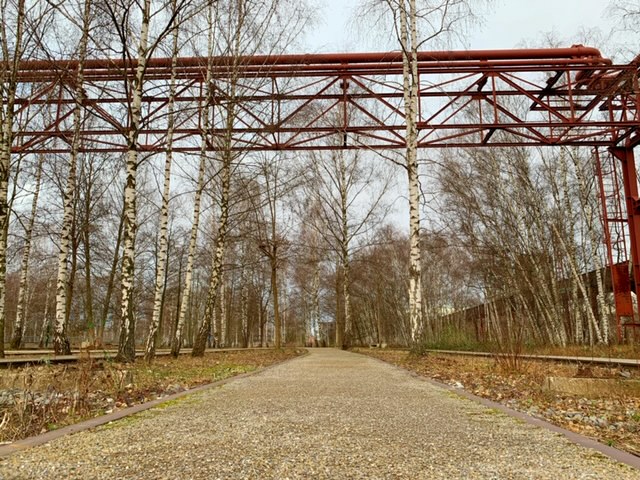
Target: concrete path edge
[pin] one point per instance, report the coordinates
(614, 453)
(25, 443)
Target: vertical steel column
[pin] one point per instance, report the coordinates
(632, 198)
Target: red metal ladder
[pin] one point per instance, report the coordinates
(616, 238)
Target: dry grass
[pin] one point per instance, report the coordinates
(40, 398)
(612, 419)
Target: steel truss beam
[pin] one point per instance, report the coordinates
(539, 97)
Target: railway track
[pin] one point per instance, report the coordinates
(21, 358)
(606, 361)
(18, 358)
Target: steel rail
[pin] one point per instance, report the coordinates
(18, 360)
(607, 361)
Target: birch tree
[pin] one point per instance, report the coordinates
(60, 341)
(18, 328)
(220, 242)
(246, 28)
(205, 114)
(279, 179)
(161, 260)
(12, 31)
(271, 245)
(351, 198)
(417, 24)
(22, 27)
(127, 17)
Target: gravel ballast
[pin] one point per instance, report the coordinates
(330, 414)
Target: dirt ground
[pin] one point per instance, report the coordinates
(36, 399)
(611, 419)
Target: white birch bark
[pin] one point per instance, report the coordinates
(224, 340)
(594, 242)
(9, 85)
(60, 341)
(18, 328)
(193, 239)
(200, 343)
(409, 42)
(315, 297)
(126, 345)
(164, 211)
(176, 344)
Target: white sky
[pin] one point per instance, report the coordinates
(507, 24)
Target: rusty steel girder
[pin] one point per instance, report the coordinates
(567, 96)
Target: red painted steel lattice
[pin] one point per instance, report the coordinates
(570, 96)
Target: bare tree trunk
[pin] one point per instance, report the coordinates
(150, 349)
(276, 303)
(60, 341)
(86, 240)
(344, 253)
(126, 345)
(176, 344)
(216, 265)
(218, 318)
(339, 311)
(46, 321)
(9, 79)
(409, 44)
(111, 282)
(315, 300)
(18, 329)
(585, 201)
(224, 337)
(244, 308)
(188, 278)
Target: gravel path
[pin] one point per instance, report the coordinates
(330, 414)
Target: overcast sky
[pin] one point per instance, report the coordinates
(507, 24)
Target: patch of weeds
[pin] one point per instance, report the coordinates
(419, 350)
(488, 412)
(455, 395)
(186, 400)
(122, 422)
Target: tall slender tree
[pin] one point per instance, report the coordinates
(161, 260)
(438, 18)
(142, 23)
(19, 325)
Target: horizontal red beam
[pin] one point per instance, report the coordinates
(575, 52)
(310, 64)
